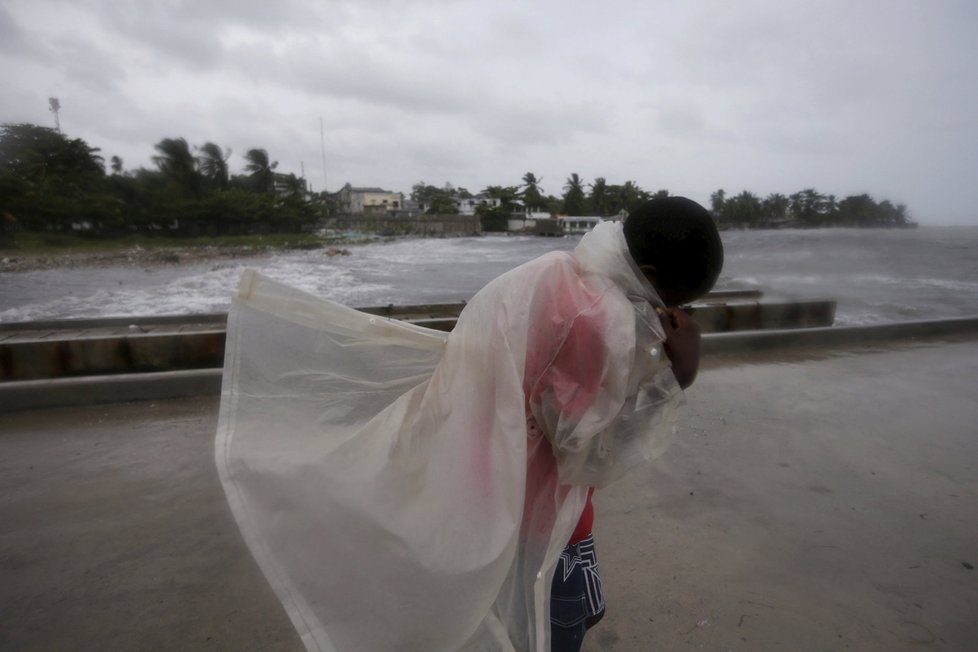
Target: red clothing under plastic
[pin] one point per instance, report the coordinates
(584, 525)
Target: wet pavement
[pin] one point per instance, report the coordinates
(116, 536)
(811, 502)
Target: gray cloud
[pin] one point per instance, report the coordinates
(16, 44)
(773, 96)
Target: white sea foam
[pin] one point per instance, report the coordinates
(875, 277)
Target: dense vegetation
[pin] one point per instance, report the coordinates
(803, 209)
(49, 182)
(806, 208)
(52, 183)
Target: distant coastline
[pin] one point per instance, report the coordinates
(27, 252)
(59, 251)
(799, 226)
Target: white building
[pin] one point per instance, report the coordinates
(468, 206)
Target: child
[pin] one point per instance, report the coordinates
(406, 491)
(676, 248)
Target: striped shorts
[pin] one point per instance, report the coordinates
(575, 594)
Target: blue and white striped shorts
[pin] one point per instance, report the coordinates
(576, 593)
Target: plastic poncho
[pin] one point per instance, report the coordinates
(384, 475)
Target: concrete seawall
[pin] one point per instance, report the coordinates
(118, 387)
(41, 350)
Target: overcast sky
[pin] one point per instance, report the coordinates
(877, 96)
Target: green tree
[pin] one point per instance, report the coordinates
(716, 202)
(864, 211)
(809, 206)
(34, 152)
(660, 194)
(600, 197)
(116, 165)
(495, 216)
(177, 164)
(213, 165)
(48, 180)
(261, 170)
(508, 196)
(531, 194)
(439, 201)
(775, 207)
(744, 209)
(629, 196)
(575, 203)
(293, 187)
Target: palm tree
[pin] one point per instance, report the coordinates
(716, 202)
(745, 208)
(599, 196)
(293, 187)
(631, 196)
(532, 197)
(260, 168)
(177, 163)
(213, 164)
(807, 205)
(574, 200)
(776, 206)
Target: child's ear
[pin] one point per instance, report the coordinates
(650, 274)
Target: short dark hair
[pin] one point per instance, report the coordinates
(678, 237)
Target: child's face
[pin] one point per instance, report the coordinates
(669, 296)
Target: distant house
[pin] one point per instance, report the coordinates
(469, 205)
(369, 201)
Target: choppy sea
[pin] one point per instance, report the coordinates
(877, 276)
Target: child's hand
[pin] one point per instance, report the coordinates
(682, 344)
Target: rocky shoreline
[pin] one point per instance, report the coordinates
(141, 257)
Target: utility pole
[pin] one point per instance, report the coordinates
(55, 107)
(322, 142)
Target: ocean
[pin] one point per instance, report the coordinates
(876, 276)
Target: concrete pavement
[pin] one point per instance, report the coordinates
(811, 501)
(116, 536)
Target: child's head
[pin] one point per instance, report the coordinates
(676, 244)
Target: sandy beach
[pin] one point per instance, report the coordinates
(806, 504)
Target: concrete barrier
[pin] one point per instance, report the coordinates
(36, 358)
(837, 336)
(116, 388)
(58, 392)
(150, 344)
(207, 319)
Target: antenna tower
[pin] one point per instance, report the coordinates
(322, 143)
(55, 107)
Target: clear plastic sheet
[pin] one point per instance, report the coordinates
(382, 474)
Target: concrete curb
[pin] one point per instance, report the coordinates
(836, 336)
(88, 390)
(118, 388)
